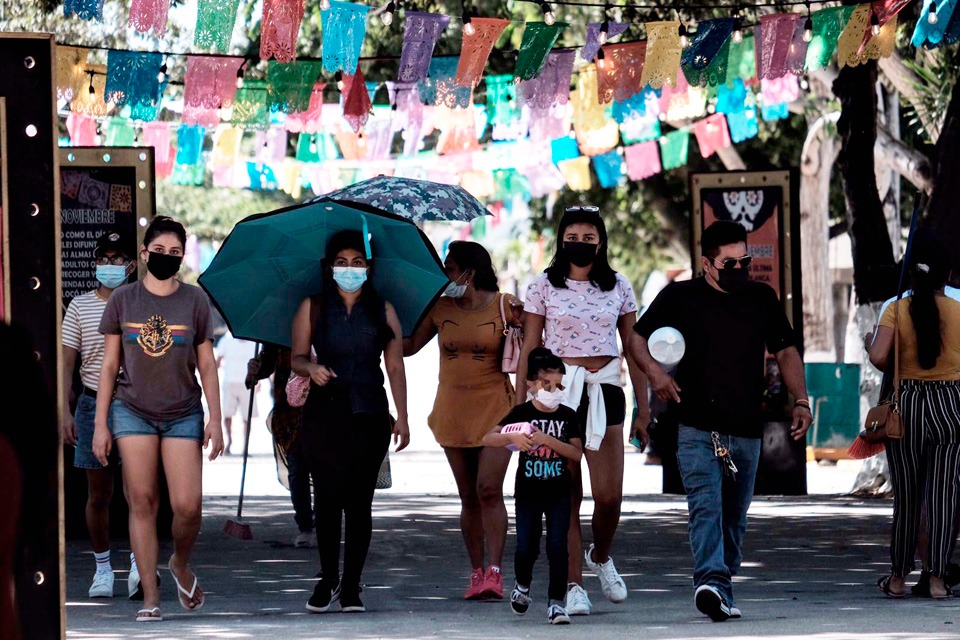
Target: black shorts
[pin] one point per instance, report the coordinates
(614, 401)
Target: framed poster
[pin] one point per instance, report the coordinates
(102, 190)
(767, 205)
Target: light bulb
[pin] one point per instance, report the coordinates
(737, 29)
(548, 16)
(604, 32)
(91, 89)
(874, 23)
(325, 5)
(468, 28)
(601, 59)
(338, 76)
(875, 29)
(387, 17)
(240, 77)
(162, 74)
(684, 39)
(808, 29)
(932, 17)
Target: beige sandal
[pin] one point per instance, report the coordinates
(149, 615)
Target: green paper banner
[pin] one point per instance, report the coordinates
(674, 148)
(538, 39)
(290, 84)
(250, 106)
(828, 24)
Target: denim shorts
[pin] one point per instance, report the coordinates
(84, 417)
(125, 422)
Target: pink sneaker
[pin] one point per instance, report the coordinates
(493, 584)
(475, 590)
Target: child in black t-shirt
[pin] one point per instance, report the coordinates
(550, 437)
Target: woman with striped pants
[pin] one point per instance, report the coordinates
(925, 464)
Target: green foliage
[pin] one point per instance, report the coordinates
(211, 213)
(937, 71)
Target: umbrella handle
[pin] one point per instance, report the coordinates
(366, 236)
(246, 440)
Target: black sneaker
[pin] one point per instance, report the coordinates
(350, 601)
(520, 600)
(323, 598)
(710, 602)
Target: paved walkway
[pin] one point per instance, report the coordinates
(810, 572)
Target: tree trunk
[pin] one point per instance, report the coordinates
(942, 213)
(874, 271)
(816, 167)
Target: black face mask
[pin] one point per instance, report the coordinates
(163, 266)
(580, 254)
(733, 280)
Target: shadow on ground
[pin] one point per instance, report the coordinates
(810, 571)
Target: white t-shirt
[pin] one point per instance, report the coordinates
(236, 354)
(80, 332)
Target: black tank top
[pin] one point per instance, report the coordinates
(351, 346)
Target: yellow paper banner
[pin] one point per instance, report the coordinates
(577, 173)
(226, 145)
(857, 44)
(663, 55)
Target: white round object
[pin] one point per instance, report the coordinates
(667, 346)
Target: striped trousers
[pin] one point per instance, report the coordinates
(925, 468)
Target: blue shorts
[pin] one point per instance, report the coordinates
(84, 417)
(125, 422)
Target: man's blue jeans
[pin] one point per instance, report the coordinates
(717, 503)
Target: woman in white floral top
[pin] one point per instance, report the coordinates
(576, 309)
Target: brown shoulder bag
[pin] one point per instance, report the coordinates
(883, 422)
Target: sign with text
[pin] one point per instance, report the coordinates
(102, 190)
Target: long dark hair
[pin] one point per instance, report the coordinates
(601, 273)
(929, 270)
(470, 255)
(370, 300)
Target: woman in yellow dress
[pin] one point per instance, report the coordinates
(473, 395)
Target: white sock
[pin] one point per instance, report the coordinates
(103, 562)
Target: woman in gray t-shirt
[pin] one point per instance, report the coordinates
(158, 334)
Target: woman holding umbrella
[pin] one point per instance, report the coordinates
(346, 422)
(469, 321)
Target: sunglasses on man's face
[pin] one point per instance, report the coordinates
(589, 208)
(731, 263)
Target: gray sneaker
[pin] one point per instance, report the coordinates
(305, 540)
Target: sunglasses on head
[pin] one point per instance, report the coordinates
(588, 208)
(731, 263)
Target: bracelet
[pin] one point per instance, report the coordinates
(802, 402)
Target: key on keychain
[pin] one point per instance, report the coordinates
(724, 454)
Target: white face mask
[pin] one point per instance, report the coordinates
(550, 399)
(455, 290)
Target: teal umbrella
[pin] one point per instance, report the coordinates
(270, 262)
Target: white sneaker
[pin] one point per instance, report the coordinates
(578, 603)
(305, 540)
(133, 584)
(610, 581)
(735, 613)
(102, 586)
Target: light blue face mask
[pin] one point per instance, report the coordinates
(350, 279)
(111, 275)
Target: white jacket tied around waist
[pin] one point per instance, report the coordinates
(574, 380)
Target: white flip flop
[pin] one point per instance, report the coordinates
(188, 594)
(149, 615)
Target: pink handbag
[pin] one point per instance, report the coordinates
(299, 386)
(512, 342)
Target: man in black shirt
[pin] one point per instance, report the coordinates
(728, 323)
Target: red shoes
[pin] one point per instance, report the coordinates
(493, 584)
(475, 590)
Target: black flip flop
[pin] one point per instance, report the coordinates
(884, 585)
